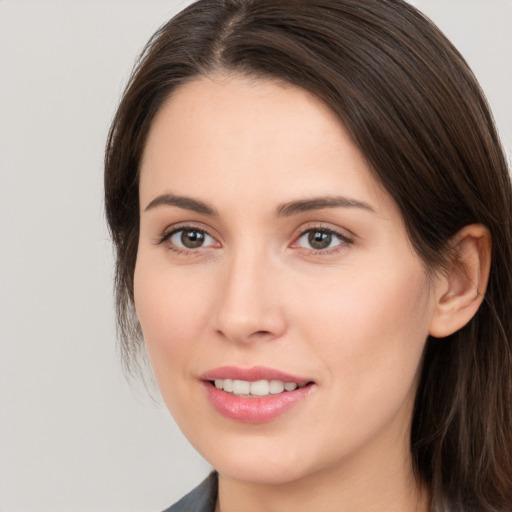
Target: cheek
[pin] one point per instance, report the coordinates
(172, 308)
(364, 306)
(370, 331)
(172, 311)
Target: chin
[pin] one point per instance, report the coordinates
(260, 472)
(261, 463)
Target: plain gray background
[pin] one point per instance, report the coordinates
(74, 437)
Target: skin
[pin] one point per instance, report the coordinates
(353, 318)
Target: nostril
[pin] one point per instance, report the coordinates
(250, 323)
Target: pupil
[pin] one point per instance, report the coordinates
(192, 239)
(319, 240)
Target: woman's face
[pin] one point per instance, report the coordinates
(268, 254)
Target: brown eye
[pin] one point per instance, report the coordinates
(319, 239)
(322, 240)
(190, 238)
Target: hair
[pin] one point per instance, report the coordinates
(416, 112)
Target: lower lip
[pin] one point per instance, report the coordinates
(254, 410)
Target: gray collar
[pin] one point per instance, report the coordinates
(202, 499)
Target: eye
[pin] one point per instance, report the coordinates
(189, 238)
(321, 239)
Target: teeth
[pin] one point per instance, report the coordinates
(260, 388)
(257, 388)
(276, 386)
(241, 387)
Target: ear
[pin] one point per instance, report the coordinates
(461, 287)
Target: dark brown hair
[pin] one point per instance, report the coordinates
(416, 112)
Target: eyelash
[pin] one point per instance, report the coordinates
(181, 250)
(343, 239)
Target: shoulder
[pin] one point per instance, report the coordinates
(202, 499)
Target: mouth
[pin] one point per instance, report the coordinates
(255, 395)
(256, 389)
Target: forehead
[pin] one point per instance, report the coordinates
(253, 137)
(232, 110)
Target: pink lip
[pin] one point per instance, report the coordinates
(252, 374)
(253, 410)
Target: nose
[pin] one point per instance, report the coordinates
(249, 306)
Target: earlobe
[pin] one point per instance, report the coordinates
(460, 289)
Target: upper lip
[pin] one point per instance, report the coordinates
(252, 374)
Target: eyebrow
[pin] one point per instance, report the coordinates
(186, 203)
(284, 210)
(318, 203)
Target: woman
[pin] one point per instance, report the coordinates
(313, 223)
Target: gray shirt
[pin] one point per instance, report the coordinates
(202, 499)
